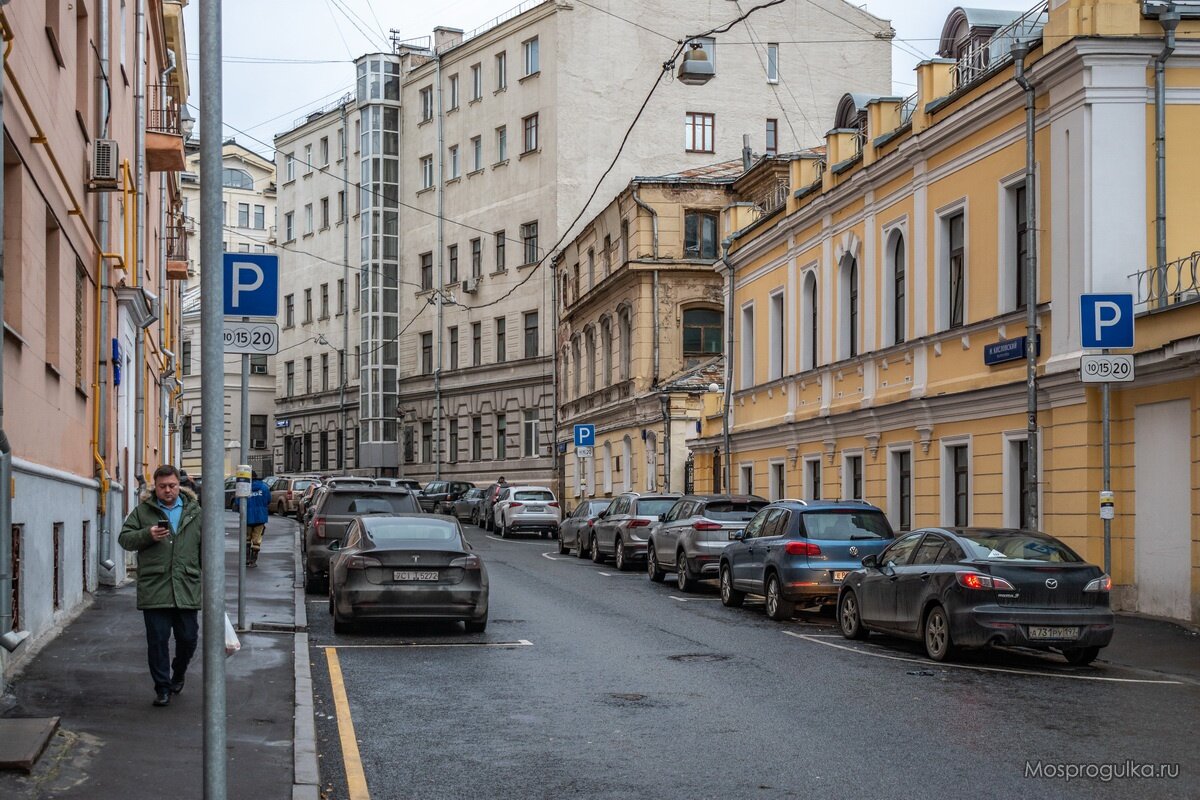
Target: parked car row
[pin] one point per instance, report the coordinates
(947, 588)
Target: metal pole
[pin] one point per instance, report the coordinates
(437, 289)
(1169, 20)
(212, 402)
(345, 212)
(1106, 444)
(1020, 49)
(243, 552)
(139, 342)
(104, 556)
(726, 465)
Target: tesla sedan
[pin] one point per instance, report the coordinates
(405, 567)
(974, 587)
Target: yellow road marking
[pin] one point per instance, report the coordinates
(356, 781)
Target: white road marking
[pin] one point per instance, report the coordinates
(928, 663)
(518, 643)
(516, 541)
(546, 555)
(680, 599)
(605, 574)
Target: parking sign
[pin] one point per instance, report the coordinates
(251, 285)
(585, 435)
(1106, 321)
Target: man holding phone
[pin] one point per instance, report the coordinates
(164, 530)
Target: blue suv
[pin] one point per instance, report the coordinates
(796, 553)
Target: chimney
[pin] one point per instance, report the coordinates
(445, 38)
(747, 153)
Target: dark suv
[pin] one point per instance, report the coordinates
(796, 553)
(439, 495)
(333, 511)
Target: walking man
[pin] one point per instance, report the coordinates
(256, 518)
(164, 530)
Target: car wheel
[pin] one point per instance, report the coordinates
(562, 547)
(683, 575)
(653, 570)
(778, 608)
(937, 634)
(340, 625)
(1081, 656)
(505, 531)
(311, 584)
(850, 618)
(620, 560)
(475, 625)
(730, 596)
(582, 552)
(594, 549)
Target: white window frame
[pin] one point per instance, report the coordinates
(811, 463)
(746, 361)
(426, 96)
(1006, 241)
(453, 92)
(846, 485)
(1013, 441)
(289, 226)
(772, 62)
(706, 140)
(476, 81)
(893, 482)
(651, 477)
(289, 167)
(946, 479)
(746, 477)
(776, 487)
(529, 443)
(501, 70)
(427, 172)
(477, 153)
(308, 219)
(777, 319)
(845, 294)
(941, 260)
(501, 144)
(899, 228)
(608, 468)
(531, 51)
(455, 167)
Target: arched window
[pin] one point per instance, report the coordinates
(606, 344)
(849, 321)
(626, 334)
(651, 461)
(702, 329)
(808, 318)
(590, 358)
(898, 320)
(626, 464)
(577, 374)
(234, 178)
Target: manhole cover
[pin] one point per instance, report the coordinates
(628, 697)
(699, 657)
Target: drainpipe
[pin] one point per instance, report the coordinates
(726, 465)
(345, 359)
(560, 464)
(1169, 20)
(441, 246)
(139, 349)
(657, 338)
(1020, 51)
(168, 357)
(9, 638)
(104, 557)
(653, 218)
(666, 407)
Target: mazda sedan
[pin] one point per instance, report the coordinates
(975, 587)
(406, 567)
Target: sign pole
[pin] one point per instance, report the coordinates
(1107, 493)
(243, 553)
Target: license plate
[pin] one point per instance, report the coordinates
(1043, 632)
(411, 575)
(840, 575)
(537, 508)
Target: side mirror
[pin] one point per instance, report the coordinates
(662, 517)
(335, 545)
(871, 561)
(737, 536)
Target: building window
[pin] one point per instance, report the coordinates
(454, 347)
(625, 324)
(852, 479)
(747, 346)
(499, 239)
(476, 153)
(577, 373)
(531, 334)
(702, 333)
(308, 159)
(898, 291)
(453, 93)
(776, 344)
(323, 150)
(501, 144)
(1022, 248)
(234, 178)
(308, 219)
(341, 143)
(426, 172)
(324, 372)
(289, 227)
(427, 104)
(185, 431)
(778, 487)
(476, 438)
(426, 353)
(289, 382)
(324, 301)
(957, 270)
(427, 442)
(772, 63)
(476, 257)
(308, 308)
(699, 132)
(454, 167)
(700, 234)
(589, 360)
(476, 343)
(529, 241)
(426, 271)
(531, 56)
(747, 479)
(341, 206)
(452, 258)
(501, 340)
(501, 71)
(260, 217)
(591, 268)
(289, 167)
(606, 347)
(341, 299)
(772, 137)
(324, 213)
(501, 437)
(901, 501)
(308, 375)
(850, 306)
(812, 478)
(186, 357)
(529, 125)
(243, 212)
(476, 81)
(452, 456)
(530, 433)
(808, 316)
(956, 485)
(258, 364)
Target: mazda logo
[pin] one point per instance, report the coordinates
(853, 550)
(1051, 583)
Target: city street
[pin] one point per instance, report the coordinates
(590, 682)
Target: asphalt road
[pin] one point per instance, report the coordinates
(595, 683)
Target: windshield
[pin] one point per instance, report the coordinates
(841, 526)
(412, 530)
(352, 503)
(734, 512)
(474, 493)
(1023, 546)
(655, 507)
(542, 496)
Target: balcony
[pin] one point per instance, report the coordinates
(164, 130)
(1175, 283)
(176, 240)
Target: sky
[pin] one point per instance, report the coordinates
(283, 58)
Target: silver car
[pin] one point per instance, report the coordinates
(527, 508)
(467, 506)
(576, 529)
(689, 538)
(622, 530)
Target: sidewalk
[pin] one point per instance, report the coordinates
(1154, 645)
(112, 743)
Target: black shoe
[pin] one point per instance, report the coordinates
(177, 686)
(162, 698)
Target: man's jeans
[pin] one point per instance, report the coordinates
(160, 622)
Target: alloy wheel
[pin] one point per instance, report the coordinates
(619, 556)
(730, 596)
(937, 634)
(851, 621)
(682, 577)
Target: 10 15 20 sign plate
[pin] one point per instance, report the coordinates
(1106, 368)
(255, 338)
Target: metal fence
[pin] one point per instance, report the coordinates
(982, 57)
(1174, 283)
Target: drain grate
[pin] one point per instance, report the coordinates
(701, 657)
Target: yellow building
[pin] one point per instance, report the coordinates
(869, 312)
(640, 330)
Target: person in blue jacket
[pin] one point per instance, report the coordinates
(256, 518)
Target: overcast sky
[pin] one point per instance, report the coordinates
(286, 57)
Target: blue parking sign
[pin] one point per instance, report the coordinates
(585, 435)
(1106, 321)
(251, 285)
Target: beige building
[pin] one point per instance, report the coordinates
(505, 132)
(248, 200)
(641, 330)
(316, 388)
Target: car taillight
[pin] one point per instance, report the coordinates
(1101, 584)
(801, 549)
(362, 562)
(319, 527)
(516, 505)
(466, 562)
(639, 523)
(977, 580)
(705, 525)
(289, 494)
(553, 504)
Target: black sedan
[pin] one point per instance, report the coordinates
(404, 567)
(976, 587)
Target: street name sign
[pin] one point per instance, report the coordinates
(1106, 368)
(251, 285)
(1106, 321)
(585, 435)
(253, 338)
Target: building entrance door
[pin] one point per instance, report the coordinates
(1162, 528)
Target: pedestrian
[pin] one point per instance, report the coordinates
(164, 530)
(186, 482)
(256, 518)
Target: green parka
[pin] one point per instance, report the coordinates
(168, 574)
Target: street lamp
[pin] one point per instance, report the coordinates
(187, 123)
(696, 69)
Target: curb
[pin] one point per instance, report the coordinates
(306, 774)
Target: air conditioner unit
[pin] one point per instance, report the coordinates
(470, 285)
(258, 369)
(106, 165)
(258, 444)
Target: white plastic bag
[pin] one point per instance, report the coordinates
(232, 645)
